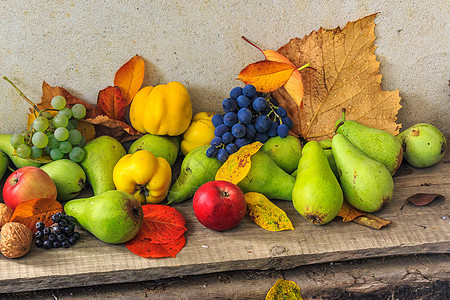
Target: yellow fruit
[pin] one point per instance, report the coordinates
(199, 133)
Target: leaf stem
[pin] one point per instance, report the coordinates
(245, 39)
(22, 94)
(308, 65)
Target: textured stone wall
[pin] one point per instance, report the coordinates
(80, 44)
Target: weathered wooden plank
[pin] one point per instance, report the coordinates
(414, 230)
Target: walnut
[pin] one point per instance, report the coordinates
(5, 214)
(16, 240)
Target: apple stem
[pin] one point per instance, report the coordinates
(22, 94)
(245, 39)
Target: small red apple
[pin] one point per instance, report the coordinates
(219, 205)
(28, 183)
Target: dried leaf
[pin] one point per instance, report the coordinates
(86, 129)
(162, 233)
(371, 221)
(266, 214)
(162, 224)
(346, 76)
(238, 164)
(284, 289)
(146, 249)
(421, 199)
(129, 78)
(348, 212)
(114, 128)
(37, 210)
(266, 75)
(111, 103)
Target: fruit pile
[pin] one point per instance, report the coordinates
(61, 234)
(56, 135)
(249, 116)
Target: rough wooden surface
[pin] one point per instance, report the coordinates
(415, 230)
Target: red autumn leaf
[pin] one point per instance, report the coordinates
(37, 210)
(421, 199)
(129, 77)
(162, 224)
(111, 103)
(148, 249)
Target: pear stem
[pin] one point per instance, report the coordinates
(22, 94)
(343, 113)
(11, 169)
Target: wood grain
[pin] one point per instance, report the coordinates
(415, 230)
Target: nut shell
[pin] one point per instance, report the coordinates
(16, 240)
(5, 214)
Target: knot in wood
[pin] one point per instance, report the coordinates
(277, 250)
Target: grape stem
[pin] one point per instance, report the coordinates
(22, 94)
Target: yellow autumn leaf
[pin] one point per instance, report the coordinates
(266, 75)
(238, 164)
(348, 212)
(345, 75)
(284, 289)
(129, 77)
(266, 214)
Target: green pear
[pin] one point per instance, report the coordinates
(375, 143)
(68, 177)
(102, 154)
(326, 143)
(159, 146)
(196, 170)
(423, 145)
(366, 183)
(331, 162)
(8, 149)
(317, 195)
(267, 178)
(4, 162)
(285, 152)
(114, 217)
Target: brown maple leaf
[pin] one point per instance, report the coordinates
(346, 76)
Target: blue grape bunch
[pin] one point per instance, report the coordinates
(248, 116)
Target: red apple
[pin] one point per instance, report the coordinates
(28, 183)
(219, 205)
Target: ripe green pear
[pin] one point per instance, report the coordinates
(68, 177)
(196, 170)
(375, 143)
(102, 154)
(423, 145)
(4, 162)
(285, 152)
(267, 178)
(366, 183)
(159, 146)
(8, 149)
(114, 217)
(317, 195)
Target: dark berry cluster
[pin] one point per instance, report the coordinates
(249, 116)
(61, 234)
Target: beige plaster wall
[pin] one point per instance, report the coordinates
(79, 45)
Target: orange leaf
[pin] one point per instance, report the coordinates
(371, 221)
(129, 77)
(348, 212)
(146, 249)
(238, 164)
(114, 128)
(37, 210)
(111, 103)
(266, 75)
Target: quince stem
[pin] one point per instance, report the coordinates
(22, 94)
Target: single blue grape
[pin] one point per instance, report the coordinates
(260, 104)
(227, 137)
(288, 122)
(216, 141)
(281, 111)
(244, 115)
(222, 155)
(231, 148)
(262, 123)
(261, 137)
(238, 130)
(243, 101)
(230, 118)
(236, 92)
(211, 152)
(229, 105)
(217, 120)
(240, 143)
(273, 129)
(221, 129)
(249, 90)
(250, 131)
(283, 130)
